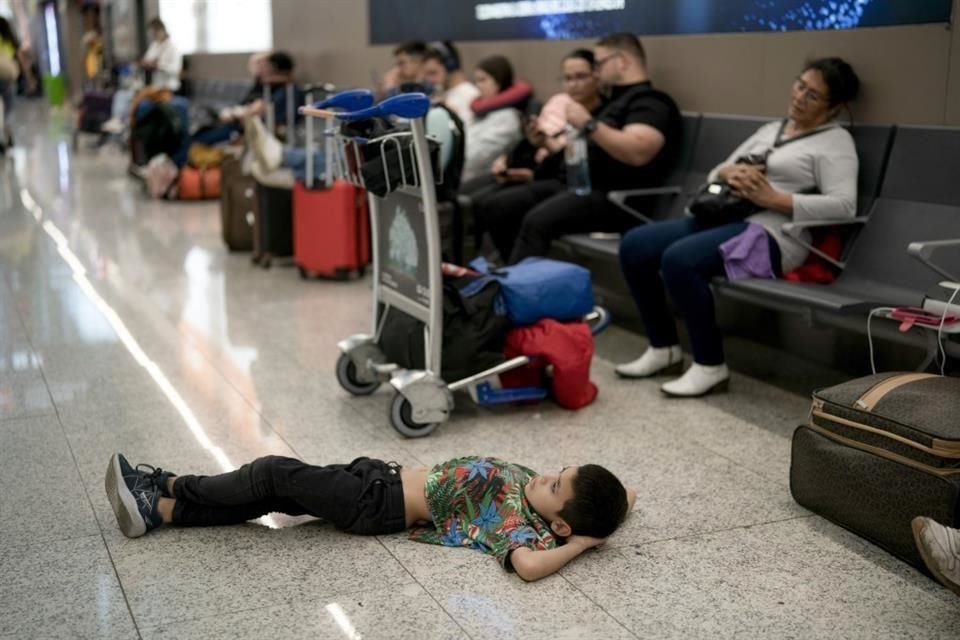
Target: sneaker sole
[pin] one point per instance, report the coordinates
(123, 503)
(672, 369)
(917, 526)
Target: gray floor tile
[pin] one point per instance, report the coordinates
(489, 603)
(41, 496)
(393, 613)
(181, 574)
(61, 589)
(24, 393)
(799, 579)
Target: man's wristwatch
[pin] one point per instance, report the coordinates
(590, 126)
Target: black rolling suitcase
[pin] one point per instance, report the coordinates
(273, 227)
(879, 451)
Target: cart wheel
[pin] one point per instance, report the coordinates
(347, 377)
(303, 273)
(401, 418)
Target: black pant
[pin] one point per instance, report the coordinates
(364, 497)
(501, 212)
(566, 213)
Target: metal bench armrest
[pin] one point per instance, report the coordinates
(923, 252)
(795, 231)
(619, 198)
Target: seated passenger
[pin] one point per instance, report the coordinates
(441, 69)
(809, 174)
(494, 132)
(274, 70)
(164, 63)
(633, 142)
(535, 170)
(532, 524)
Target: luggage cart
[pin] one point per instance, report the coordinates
(406, 269)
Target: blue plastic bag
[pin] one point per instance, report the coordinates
(537, 288)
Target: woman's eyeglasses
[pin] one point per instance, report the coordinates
(808, 94)
(577, 78)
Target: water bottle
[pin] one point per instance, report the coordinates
(578, 163)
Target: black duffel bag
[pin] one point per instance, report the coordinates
(880, 451)
(474, 329)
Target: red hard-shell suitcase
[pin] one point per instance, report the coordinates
(331, 230)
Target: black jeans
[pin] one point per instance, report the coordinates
(684, 255)
(501, 213)
(566, 213)
(364, 497)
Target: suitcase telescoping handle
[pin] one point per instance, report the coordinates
(271, 117)
(355, 97)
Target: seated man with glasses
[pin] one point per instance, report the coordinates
(633, 142)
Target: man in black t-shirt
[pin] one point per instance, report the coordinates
(634, 141)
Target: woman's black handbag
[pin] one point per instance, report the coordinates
(716, 204)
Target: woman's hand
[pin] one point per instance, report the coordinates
(519, 175)
(750, 182)
(577, 115)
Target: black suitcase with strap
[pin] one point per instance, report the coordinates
(879, 451)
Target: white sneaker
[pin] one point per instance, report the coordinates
(940, 548)
(699, 380)
(655, 360)
(266, 148)
(113, 126)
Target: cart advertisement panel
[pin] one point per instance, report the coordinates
(402, 241)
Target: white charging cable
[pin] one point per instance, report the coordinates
(873, 364)
(943, 319)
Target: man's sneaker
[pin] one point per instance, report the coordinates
(134, 496)
(940, 548)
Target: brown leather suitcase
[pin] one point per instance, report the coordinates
(238, 204)
(879, 451)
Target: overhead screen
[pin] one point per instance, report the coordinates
(398, 20)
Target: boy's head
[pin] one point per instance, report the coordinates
(280, 64)
(586, 501)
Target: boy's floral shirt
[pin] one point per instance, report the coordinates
(480, 503)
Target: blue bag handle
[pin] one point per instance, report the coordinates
(404, 105)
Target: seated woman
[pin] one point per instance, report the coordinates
(535, 170)
(810, 174)
(494, 132)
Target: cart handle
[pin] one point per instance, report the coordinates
(404, 105)
(351, 100)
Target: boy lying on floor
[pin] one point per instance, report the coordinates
(532, 524)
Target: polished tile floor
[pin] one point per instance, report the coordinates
(125, 325)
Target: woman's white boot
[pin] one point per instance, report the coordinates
(653, 361)
(699, 380)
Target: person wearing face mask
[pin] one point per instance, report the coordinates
(442, 71)
(810, 173)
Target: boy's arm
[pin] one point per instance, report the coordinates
(532, 565)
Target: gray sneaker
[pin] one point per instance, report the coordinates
(940, 548)
(134, 496)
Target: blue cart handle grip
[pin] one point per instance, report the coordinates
(404, 105)
(352, 100)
